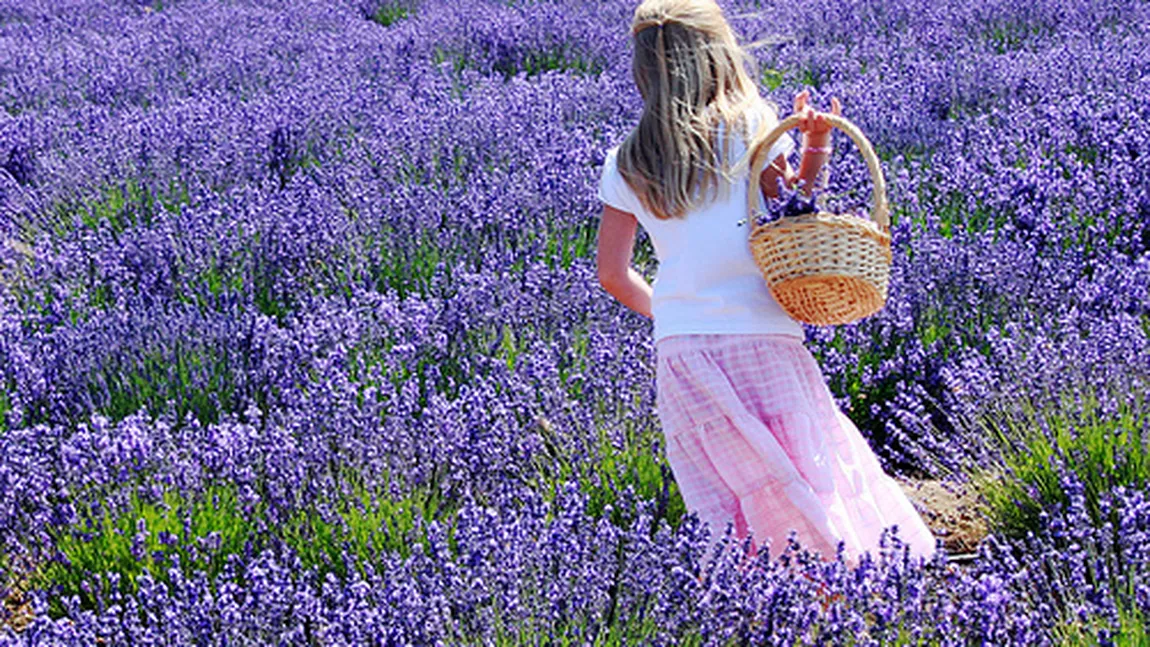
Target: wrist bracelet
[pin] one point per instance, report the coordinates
(818, 149)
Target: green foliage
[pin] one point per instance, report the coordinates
(389, 13)
(813, 77)
(772, 79)
(196, 378)
(955, 212)
(364, 520)
(560, 57)
(1132, 630)
(1104, 450)
(634, 630)
(5, 407)
(114, 208)
(246, 271)
(132, 203)
(565, 244)
(408, 262)
(217, 279)
(512, 347)
(144, 538)
(202, 530)
(267, 293)
(1039, 440)
(635, 464)
(1006, 36)
(421, 261)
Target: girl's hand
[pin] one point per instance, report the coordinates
(814, 124)
(816, 131)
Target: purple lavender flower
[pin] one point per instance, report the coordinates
(304, 250)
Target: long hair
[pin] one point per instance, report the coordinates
(692, 75)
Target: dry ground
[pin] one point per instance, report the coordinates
(950, 509)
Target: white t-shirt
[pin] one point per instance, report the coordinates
(707, 282)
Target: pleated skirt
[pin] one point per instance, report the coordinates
(754, 438)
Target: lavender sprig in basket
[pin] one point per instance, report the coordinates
(794, 202)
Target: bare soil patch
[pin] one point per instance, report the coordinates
(950, 510)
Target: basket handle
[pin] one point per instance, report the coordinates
(880, 213)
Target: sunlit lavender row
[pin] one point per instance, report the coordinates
(302, 342)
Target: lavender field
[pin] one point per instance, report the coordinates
(301, 339)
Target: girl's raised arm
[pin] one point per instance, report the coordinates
(815, 149)
(616, 240)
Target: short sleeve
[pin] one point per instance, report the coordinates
(784, 145)
(613, 189)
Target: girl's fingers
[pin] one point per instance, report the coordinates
(811, 118)
(801, 100)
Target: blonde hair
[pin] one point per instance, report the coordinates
(692, 74)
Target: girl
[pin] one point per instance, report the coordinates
(751, 431)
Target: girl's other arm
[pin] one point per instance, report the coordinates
(618, 278)
(781, 169)
(770, 175)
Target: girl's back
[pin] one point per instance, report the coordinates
(708, 282)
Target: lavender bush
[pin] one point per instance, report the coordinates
(301, 340)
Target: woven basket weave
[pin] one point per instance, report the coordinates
(823, 268)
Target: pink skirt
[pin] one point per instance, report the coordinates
(754, 436)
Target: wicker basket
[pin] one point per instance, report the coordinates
(823, 268)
